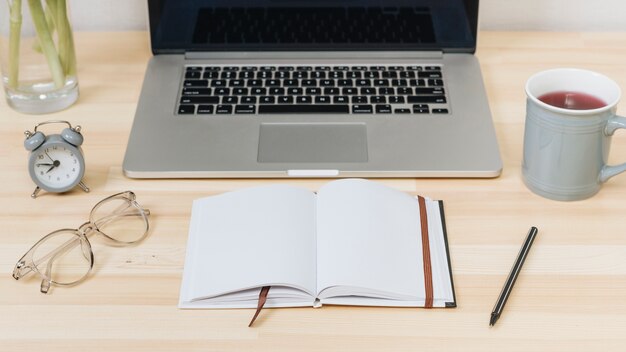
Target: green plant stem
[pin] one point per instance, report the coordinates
(14, 43)
(51, 26)
(65, 34)
(47, 44)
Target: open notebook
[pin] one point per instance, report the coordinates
(354, 242)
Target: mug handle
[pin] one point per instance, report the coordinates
(614, 123)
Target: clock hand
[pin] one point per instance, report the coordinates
(48, 155)
(44, 164)
(55, 164)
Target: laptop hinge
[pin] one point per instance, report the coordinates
(314, 55)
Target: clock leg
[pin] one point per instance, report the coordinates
(83, 186)
(34, 195)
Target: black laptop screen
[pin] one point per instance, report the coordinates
(177, 26)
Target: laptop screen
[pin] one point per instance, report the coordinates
(177, 26)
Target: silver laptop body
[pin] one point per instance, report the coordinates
(176, 134)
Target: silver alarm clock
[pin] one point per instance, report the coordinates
(56, 163)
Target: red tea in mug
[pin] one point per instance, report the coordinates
(572, 100)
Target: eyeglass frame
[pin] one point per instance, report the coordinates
(26, 263)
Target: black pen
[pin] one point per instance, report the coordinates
(510, 281)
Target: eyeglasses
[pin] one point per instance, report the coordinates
(64, 257)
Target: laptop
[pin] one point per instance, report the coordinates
(326, 88)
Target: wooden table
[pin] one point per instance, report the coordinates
(570, 295)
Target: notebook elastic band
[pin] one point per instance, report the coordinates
(428, 271)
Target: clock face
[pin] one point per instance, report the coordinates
(57, 166)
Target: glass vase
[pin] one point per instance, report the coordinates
(37, 57)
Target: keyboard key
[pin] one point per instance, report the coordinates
(327, 83)
(218, 83)
(196, 83)
(286, 68)
(304, 100)
(303, 109)
(345, 83)
(267, 75)
(383, 109)
(427, 99)
(396, 100)
(433, 68)
(350, 91)
(404, 91)
(372, 74)
(290, 83)
(249, 68)
(245, 109)
(267, 68)
(429, 91)
(390, 74)
(222, 91)
(248, 100)
(193, 74)
(362, 109)
(435, 82)
(283, 75)
(341, 100)
(186, 109)
(259, 91)
(324, 99)
(295, 91)
(402, 111)
(417, 83)
(230, 100)
(377, 99)
(284, 100)
(318, 75)
(407, 74)
(240, 91)
(331, 91)
(301, 75)
(429, 74)
(228, 75)
(363, 82)
(377, 68)
(236, 83)
(386, 91)
(309, 83)
(254, 83)
(314, 91)
(368, 91)
(212, 68)
(359, 100)
(199, 100)
(322, 68)
(395, 68)
(440, 111)
(305, 68)
(268, 100)
(420, 109)
(224, 109)
(230, 68)
(197, 91)
(205, 109)
(359, 68)
(415, 68)
(193, 68)
(211, 75)
(272, 83)
(399, 82)
(354, 74)
(277, 91)
(341, 68)
(336, 75)
(381, 82)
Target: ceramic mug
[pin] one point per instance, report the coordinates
(565, 149)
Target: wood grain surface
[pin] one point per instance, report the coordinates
(569, 296)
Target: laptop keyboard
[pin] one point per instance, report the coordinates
(258, 90)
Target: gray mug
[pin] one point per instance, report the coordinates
(566, 150)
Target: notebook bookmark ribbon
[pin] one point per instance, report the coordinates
(262, 299)
(428, 271)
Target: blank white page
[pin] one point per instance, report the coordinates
(369, 237)
(251, 238)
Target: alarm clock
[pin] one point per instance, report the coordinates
(56, 163)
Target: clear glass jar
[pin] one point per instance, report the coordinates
(37, 56)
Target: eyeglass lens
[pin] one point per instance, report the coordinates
(121, 219)
(64, 257)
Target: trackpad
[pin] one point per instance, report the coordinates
(312, 143)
